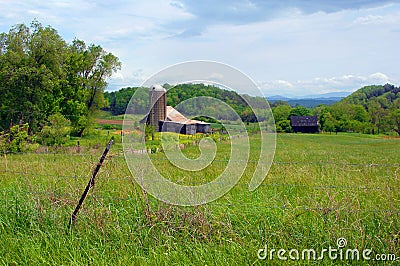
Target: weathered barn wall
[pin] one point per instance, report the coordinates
(203, 128)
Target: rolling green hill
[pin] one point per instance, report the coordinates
(385, 95)
(371, 109)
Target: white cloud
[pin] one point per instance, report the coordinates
(283, 47)
(377, 19)
(379, 78)
(118, 76)
(369, 19)
(177, 4)
(277, 83)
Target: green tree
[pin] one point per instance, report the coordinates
(394, 116)
(357, 112)
(279, 102)
(31, 61)
(56, 132)
(119, 100)
(89, 66)
(150, 132)
(395, 119)
(376, 113)
(300, 111)
(16, 140)
(283, 126)
(328, 122)
(281, 112)
(40, 75)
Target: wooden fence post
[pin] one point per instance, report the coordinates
(90, 184)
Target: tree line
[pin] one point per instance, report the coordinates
(372, 109)
(118, 100)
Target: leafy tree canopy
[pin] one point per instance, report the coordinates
(41, 75)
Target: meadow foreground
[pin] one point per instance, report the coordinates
(319, 189)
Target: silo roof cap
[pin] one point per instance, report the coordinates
(158, 87)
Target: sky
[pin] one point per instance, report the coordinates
(289, 48)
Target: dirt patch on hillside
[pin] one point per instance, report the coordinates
(113, 122)
(392, 137)
(122, 132)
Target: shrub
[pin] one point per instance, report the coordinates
(283, 126)
(56, 132)
(17, 139)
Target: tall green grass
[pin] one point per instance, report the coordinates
(320, 188)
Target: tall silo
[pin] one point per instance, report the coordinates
(158, 105)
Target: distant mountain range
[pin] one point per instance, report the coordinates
(311, 100)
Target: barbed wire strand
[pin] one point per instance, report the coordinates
(250, 206)
(120, 154)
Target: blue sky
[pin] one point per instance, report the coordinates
(289, 48)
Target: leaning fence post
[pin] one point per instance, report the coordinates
(90, 184)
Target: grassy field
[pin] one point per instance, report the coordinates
(320, 188)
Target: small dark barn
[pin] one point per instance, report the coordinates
(304, 124)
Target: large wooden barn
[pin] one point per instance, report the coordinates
(178, 123)
(167, 119)
(304, 124)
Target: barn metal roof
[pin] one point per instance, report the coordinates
(304, 121)
(175, 116)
